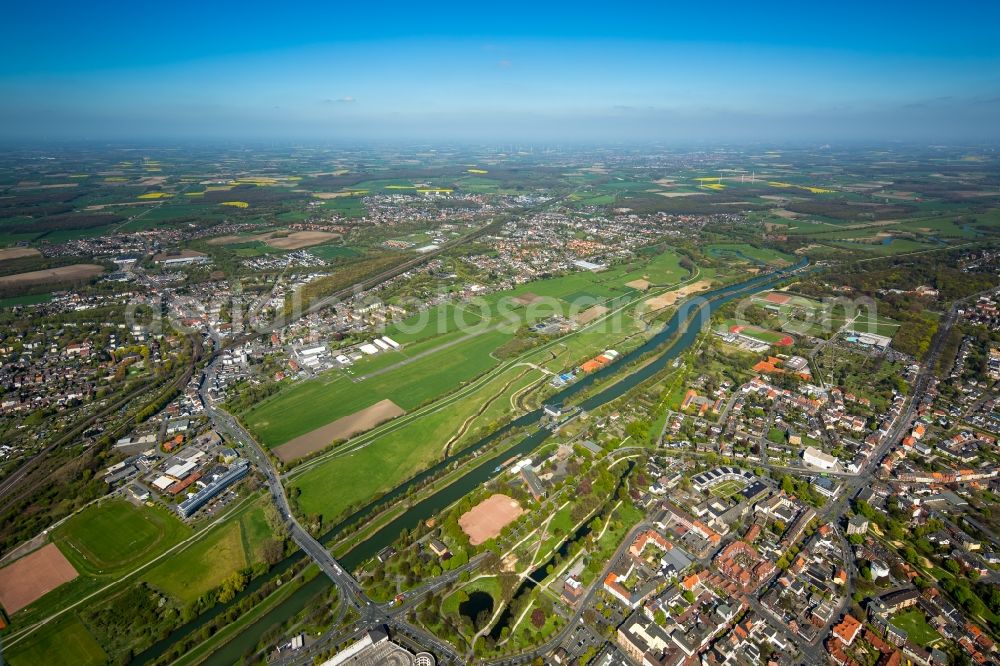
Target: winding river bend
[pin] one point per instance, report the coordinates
(680, 332)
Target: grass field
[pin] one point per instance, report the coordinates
(254, 531)
(304, 407)
(664, 269)
(331, 252)
(914, 623)
(438, 320)
(116, 536)
(488, 584)
(877, 325)
(68, 642)
(758, 333)
(898, 246)
(32, 299)
(331, 486)
(202, 566)
(750, 253)
(569, 288)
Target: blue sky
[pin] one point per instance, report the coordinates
(506, 71)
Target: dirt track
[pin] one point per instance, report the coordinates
(485, 520)
(32, 576)
(341, 429)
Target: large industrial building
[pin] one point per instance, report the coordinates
(190, 506)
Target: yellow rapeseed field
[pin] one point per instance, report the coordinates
(814, 190)
(236, 204)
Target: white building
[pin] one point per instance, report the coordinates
(816, 458)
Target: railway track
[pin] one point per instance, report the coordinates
(34, 472)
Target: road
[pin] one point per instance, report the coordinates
(832, 512)
(371, 614)
(224, 423)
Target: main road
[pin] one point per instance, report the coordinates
(225, 423)
(371, 614)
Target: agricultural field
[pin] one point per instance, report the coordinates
(340, 430)
(53, 276)
(31, 577)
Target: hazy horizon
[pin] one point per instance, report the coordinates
(709, 74)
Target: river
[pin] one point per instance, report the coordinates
(681, 331)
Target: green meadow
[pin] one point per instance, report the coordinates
(67, 641)
(304, 407)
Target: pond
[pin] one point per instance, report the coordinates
(478, 608)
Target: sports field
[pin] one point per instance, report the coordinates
(485, 520)
(309, 405)
(758, 333)
(33, 576)
(117, 535)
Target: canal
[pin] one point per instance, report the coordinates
(680, 331)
